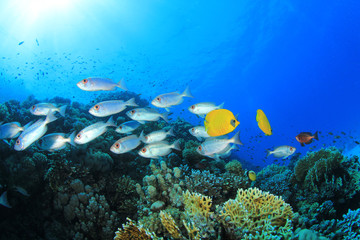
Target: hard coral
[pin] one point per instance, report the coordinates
(134, 232)
(256, 213)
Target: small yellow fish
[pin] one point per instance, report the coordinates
(220, 122)
(263, 122)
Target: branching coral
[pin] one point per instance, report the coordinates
(170, 225)
(255, 212)
(132, 231)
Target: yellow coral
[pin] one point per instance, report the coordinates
(254, 209)
(192, 230)
(196, 203)
(131, 231)
(170, 225)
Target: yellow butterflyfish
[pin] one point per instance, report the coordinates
(220, 122)
(263, 122)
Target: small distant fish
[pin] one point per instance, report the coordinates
(212, 147)
(4, 200)
(22, 191)
(93, 131)
(343, 133)
(158, 149)
(125, 144)
(42, 109)
(55, 141)
(20, 43)
(263, 122)
(128, 127)
(330, 133)
(168, 100)
(203, 108)
(337, 137)
(107, 108)
(199, 132)
(220, 122)
(146, 114)
(306, 138)
(156, 136)
(282, 151)
(33, 132)
(37, 42)
(100, 84)
(357, 142)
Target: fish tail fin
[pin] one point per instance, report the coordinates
(171, 132)
(4, 200)
(176, 145)
(236, 139)
(187, 93)
(221, 105)
(50, 117)
(131, 102)
(141, 137)
(268, 152)
(165, 116)
(72, 138)
(316, 136)
(62, 110)
(111, 122)
(122, 85)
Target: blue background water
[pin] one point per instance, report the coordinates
(298, 61)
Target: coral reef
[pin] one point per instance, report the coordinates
(256, 215)
(349, 227)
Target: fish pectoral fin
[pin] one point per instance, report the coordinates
(167, 109)
(142, 122)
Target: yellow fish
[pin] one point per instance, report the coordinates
(263, 122)
(220, 122)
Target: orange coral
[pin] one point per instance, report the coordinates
(170, 225)
(131, 231)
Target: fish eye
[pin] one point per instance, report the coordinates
(96, 107)
(78, 136)
(200, 148)
(146, 137)
(117, 145)
(17, 142)
(158, 99)
(291, 148)
(85, 80)
(33, 107)
(120, 127)
(193, 106)
(232, 122)
(132, 111)
(143, 150)
(193, 129)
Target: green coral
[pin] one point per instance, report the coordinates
(235, 167)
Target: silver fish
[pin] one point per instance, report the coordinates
(93, 131)
(158, 149)
(125, 144)
(282, 151)
(128, 127)
(4, 200)
(213, 146)
(146, 114)
(168, 100)
(226, 152)
(43, 109)
(203, 108)
(107, 108)
(100, 84)
(33, 132)
(199, 132)
(10, 130)
(156, 136)
(55, 141)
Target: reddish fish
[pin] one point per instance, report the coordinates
(306, 138)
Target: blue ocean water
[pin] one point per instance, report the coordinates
(298, 61)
